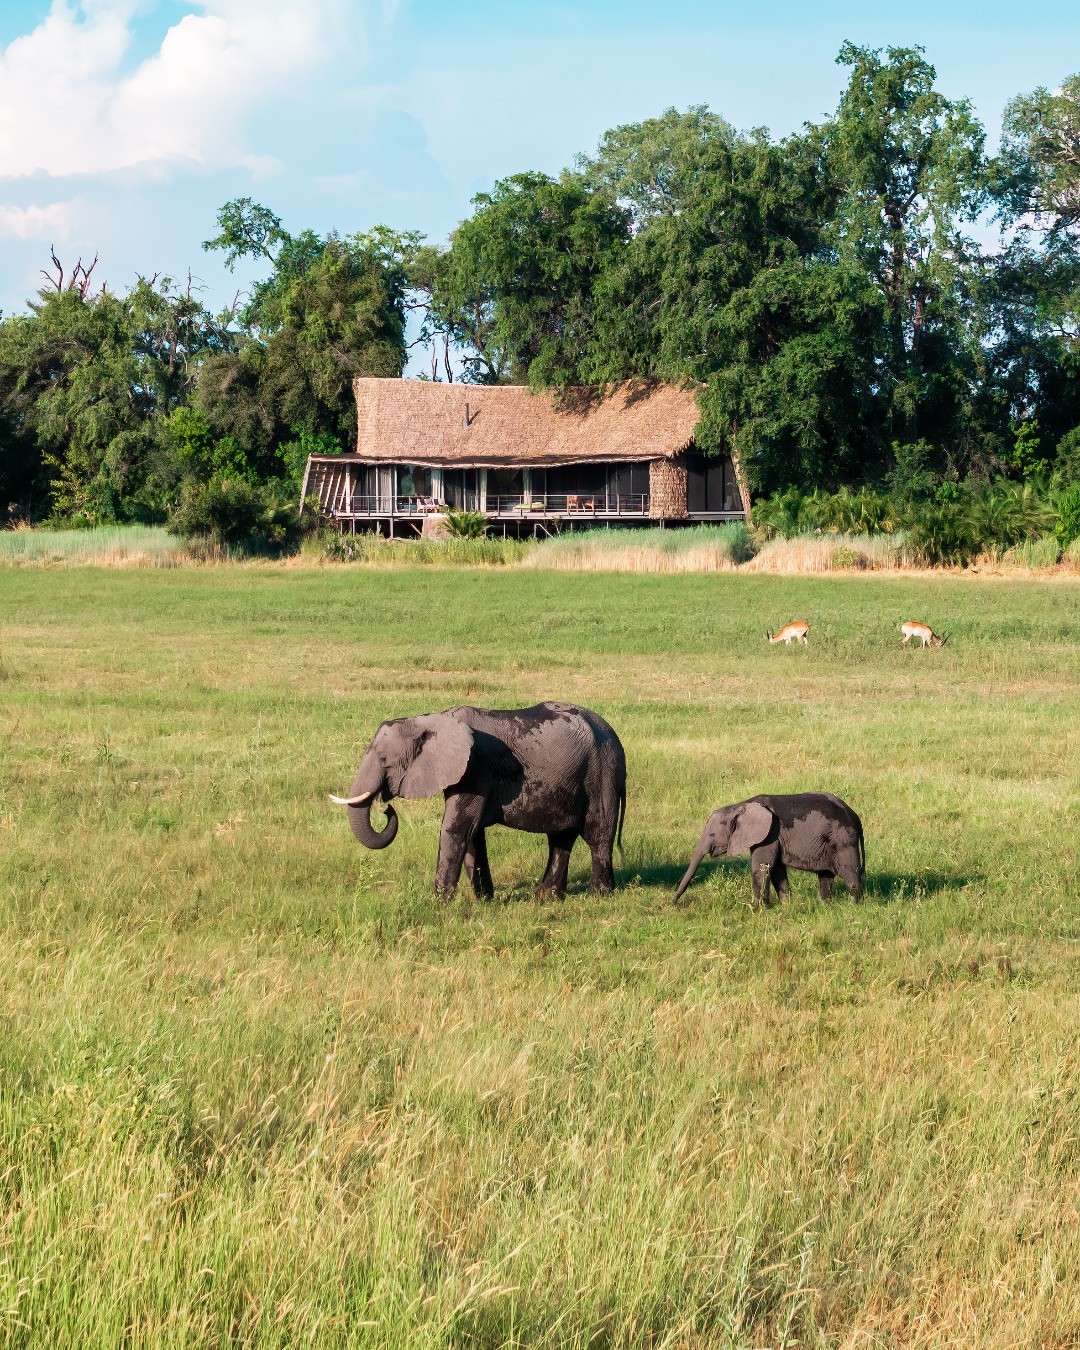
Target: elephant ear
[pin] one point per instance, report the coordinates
(752, 825)
(442, 748)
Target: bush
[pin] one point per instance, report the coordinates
(1067, 526)
(231, 513)
(847, 511)
(1003, 514)
(941, 534)
(466, 524)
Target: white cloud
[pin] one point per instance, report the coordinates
(68, 104)
(33, 222)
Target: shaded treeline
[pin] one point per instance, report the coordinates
(874, 301)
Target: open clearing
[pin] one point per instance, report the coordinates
(257, 1085)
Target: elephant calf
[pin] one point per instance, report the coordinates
(554, 769)
(810, 831)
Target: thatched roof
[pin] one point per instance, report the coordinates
(420, 422)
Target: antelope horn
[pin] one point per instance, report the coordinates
(352, 801)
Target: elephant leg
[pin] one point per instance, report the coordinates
(599, 834)
(553, 882)
(779, 878)
(825, 884)
(602, 880)
(460, 824)
(761, 865)
(476, 866)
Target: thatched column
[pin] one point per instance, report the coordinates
(667, 489)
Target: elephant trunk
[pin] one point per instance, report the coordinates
(362, 828)
(695, 862)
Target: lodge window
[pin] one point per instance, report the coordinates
(505, 483)
(461, 489)
(413, 481)
(710, 484)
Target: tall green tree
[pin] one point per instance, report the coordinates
(728, 283)
(330, 310)
(515, 288)
(84, 377)
(911, 172)
(1034, 340)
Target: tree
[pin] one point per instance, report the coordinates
(1039, 164)
(85, 376)
(331, 309)
(728, 283)
(515, 288)
(909, 168)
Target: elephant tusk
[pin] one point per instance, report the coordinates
(352, 801)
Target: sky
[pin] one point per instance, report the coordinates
(126, 124)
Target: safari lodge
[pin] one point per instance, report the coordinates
(531, 462)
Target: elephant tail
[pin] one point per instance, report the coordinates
(862, 855)
(622, 817)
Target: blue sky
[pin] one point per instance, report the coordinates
(124, 124)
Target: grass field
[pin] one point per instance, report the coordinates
(258, 1087)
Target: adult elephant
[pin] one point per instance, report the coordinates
(555, 769)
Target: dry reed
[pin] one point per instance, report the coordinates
(702, 548)
(813, 554)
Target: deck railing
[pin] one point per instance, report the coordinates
(570, 504)
(506, 507)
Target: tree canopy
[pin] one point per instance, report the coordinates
(837, 299)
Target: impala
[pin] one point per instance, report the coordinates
(796, 631)
(911, 629)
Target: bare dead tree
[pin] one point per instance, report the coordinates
(79, 281)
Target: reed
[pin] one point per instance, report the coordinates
(809, 554)
(102, 546)
(698, 548)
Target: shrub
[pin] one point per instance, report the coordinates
(1067, 526)
(941, 533)
(466, 524)
(847, 511)
(231, 513)
(1002, 514)
(847, 557)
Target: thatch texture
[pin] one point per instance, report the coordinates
(419, 422)
(667, 489)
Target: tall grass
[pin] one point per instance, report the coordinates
(1037, 553)
(832, 553)
(102, 546)
(697, 548)
(257, 1087)
(373, 549)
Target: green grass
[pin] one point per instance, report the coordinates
(256, 1085)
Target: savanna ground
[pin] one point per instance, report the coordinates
(257, 1086)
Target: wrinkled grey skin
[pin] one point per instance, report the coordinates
(554, 769)
(810, 831)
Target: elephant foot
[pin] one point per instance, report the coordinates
(550, 892)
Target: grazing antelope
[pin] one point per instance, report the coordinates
(911, 629)
(796, 631)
